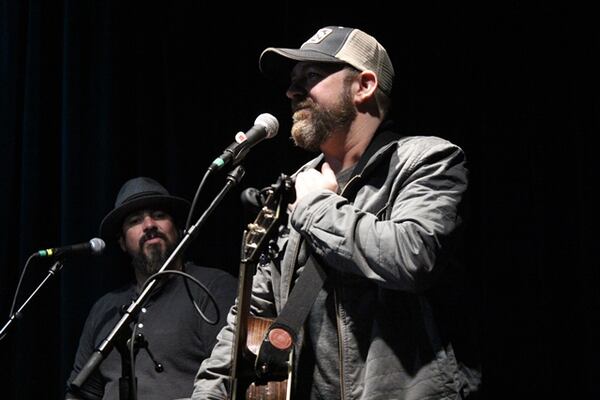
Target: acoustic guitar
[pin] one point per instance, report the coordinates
(246, 382)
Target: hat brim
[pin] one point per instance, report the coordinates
(278, 62)
(177, 207)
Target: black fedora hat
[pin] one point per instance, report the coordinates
(139, 193)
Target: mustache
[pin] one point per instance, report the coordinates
(151, 235)
(305, 103)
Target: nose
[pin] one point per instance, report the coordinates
(148, 223)
(295, 90)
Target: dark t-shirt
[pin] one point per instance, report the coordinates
(176, 334)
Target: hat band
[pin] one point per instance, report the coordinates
(141, 194)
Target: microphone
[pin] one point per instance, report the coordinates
(265, 127)
(95, 246)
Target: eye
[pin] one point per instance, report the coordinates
(133, 220)
(314, 76)
(159, 214)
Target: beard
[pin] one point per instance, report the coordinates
(314, 123)
(150, 261)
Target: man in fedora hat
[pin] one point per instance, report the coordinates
(173, 336)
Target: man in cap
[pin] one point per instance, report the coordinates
(378, 213)
(173, 337)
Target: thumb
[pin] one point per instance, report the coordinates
(330, 180)
(327, 171)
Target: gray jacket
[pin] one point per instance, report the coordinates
(387, 253)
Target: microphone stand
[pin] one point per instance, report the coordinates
(128, 346)
(57, 266)
(127, 349)
(131, 312)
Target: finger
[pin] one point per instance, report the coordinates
(329, 176)
(327, 171)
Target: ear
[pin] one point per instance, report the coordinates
(367, 84)
(122, 243)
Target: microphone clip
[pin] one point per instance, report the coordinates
(140, 342)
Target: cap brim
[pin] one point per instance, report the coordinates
(177, 207)
(278, 62)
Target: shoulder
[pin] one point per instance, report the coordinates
(221, 284)
(411, 149)
(208, 275)
(419, 149)
(108, 307)
(114, 298)
(424, 143)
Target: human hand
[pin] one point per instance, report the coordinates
(311, 179)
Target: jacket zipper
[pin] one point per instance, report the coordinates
(340, 350)
(354, 178)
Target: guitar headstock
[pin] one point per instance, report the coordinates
(257, 233)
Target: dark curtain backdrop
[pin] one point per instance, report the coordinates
(95, 92)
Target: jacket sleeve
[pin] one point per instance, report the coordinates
(406, 249)
(212, 380)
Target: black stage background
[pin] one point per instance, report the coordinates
(95, 92)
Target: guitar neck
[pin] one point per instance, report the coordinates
(241, 328)
(254, 242)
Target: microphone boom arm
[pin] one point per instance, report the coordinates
(57, 266)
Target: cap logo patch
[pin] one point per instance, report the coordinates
(319, 36)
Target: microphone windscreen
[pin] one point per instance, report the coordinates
(97, 246)
(270, 123)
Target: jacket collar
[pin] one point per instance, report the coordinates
(384, 136)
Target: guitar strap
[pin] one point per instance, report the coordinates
(274, 352)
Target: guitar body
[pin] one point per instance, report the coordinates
(269, 390)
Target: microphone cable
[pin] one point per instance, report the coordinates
(198, 283)
(195, 200)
